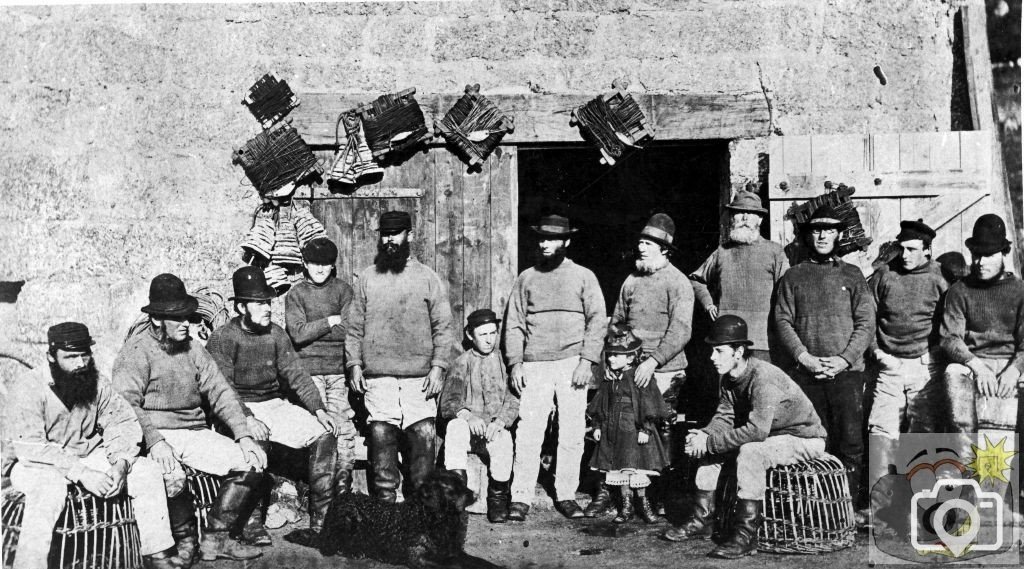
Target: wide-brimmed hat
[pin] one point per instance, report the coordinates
(481, 317)
(249, 283)
(910, 230)
(728, 329)
(747, 201)
(167, 297)
(989, 235)
(553, 226)
(660, 229)
(70, 337)
(394, 222)
(826, 217)
(621, 340)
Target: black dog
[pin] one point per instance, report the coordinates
(427, 530)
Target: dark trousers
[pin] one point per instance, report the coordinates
(840, 406)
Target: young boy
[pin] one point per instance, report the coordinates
(480, 407)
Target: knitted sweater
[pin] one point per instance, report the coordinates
(659, 309)
(479, 383)
(825, 309)
(168, 391)
(984, 320)
(44, 432)
(761, 402)
(306, 308)
(908, 303)
(399, 325)
(741, 279)
(263, 366)
(555, 315)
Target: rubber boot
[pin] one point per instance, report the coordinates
(384, 460)
(599, 505)
(182, 516)
(420, 437)
(498, 496)
(234, 503)
(643, 508)
(323, 476)
(626, 507)
(699, 520)
(743, 541)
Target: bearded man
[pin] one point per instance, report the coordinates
(740, 276)
(67, 425)
(167, 378)
(397, 347)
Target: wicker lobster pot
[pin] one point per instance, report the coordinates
(853, 237)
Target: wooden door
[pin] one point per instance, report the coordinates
(941, 177)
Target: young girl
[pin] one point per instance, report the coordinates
(626, 419)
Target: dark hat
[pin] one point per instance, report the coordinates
(167, 297)
(553, 226)
(989, 235)
(320, 251)
(910, 230)
(69, 336)
(825, 216)
(249, 283)
(394, 222)
(661, 229)
(481, 317)
(747, 201)
(728, 329)
(621, 340)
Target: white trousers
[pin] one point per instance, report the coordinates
(399, 401)
(457, 447)
(289, 424)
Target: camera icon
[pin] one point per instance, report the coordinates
(989, 505)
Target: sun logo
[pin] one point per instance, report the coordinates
(991, 462)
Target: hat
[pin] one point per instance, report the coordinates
(989, 235)
(825, 216)
(69, 336)
(394, 222)
(728, 329)
(249, 283)
(621, 340)
(553, 226)
(167, 297)
(910, 230)
(481, 317)
(747, 201)
(660, 229)
(320, 251)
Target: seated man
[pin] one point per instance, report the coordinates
(67, 425)
(257, 358)
(764, 417)
(167, 378)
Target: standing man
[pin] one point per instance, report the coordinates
(168, 379)
(256, 357)
(397, 347)
(825, 318)
(68, 425)
(741, 275)
(554, 333)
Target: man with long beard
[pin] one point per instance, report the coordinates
(397, 346)
(554, 332)
(67, 425)
(167, 379)
(740, 276)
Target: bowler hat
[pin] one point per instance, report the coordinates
(910, 230)
(989, 235)
(747, 201)
(394, 222)
(825, 216)
(660, 229)
(320, 251)
(481, 317)
(249, 283)
(69, 336)
(167, 297)
(553, 226)
(728, 329)
(621, 340)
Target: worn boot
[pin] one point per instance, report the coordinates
(253, 532)
(699, 521)
(323, 462)
(162, 560)
(461, 474)
(626, 507)
(182, 516)
(643, 508)
(234, 503)
(384, 460)
(422, 456)
(498, 496)
(599, 505)
(743, 541)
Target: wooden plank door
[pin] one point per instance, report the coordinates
(941, 177)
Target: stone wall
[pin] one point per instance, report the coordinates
(118, 121)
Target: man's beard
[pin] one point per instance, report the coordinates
(390, 257)
(651, 266)
(171, 346)
(77, 388)
(250, 325)
(547, 264)
(744, 233)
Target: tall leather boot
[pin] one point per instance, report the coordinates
(626, 505)
(384, 460)
(599, 505)
(498, 496)
(323, 464)
(699, 521)
(743, 541)
(234, 503)
(182, 516)
(253, 531)
(422, 457)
